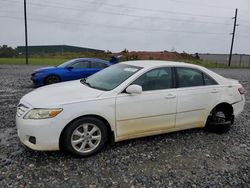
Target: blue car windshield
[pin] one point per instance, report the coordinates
(110, 77)
(67, 63)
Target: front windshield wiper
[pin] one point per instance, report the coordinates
(84, 81)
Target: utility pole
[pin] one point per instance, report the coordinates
(26, 34)
(232, 43)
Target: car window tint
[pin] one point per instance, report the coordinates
(188, 77)
(156, 79)
(98, 65)
(81, 65)
(208, 80)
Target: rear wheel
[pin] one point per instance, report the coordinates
(219, 121)
(51, 79)
(85, 136)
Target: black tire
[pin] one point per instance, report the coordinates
(52, 79)
(67, 136)
(219, 123)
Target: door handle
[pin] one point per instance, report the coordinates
(214, 91)
(170, 96)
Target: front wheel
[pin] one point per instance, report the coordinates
(85, 136)
(51, 80)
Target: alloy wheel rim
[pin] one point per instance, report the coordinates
(52, 79)
(220, 117)
(86, 138)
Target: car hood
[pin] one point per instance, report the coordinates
(43, 69)
(62, 93)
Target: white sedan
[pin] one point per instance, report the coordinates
(128, 100)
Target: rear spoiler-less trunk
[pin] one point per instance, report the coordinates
(233, 81)
(115, 59)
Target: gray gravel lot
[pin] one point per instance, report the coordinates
(192, 158)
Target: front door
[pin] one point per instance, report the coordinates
(80, 69)
(152, 111)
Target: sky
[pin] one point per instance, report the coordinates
(202, 26)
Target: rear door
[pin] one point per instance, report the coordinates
(196, 92)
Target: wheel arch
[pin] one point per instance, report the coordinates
(51, 74)
(226, 107)
(105, 121)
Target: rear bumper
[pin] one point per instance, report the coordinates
(239, 106)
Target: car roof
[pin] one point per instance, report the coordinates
(148, 64)
(158, 63)
(93, 59)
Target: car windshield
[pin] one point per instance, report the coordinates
(66, 64)
(111, 77)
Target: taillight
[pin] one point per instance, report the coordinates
(242, 90)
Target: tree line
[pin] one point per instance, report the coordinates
(8, 51)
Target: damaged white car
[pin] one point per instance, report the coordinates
(128, 100)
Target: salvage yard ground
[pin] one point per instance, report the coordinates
(192, 158)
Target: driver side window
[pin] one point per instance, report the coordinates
(156, 79)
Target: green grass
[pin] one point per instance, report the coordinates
(53, 61)
(33, 61)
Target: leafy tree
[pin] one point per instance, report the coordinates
(125, 51)
(7, 51)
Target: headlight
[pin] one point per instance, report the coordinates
(42, 113)
(38, 73)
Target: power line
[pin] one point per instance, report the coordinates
(245, 21)
(154, 10)
(138, 16)
(117, 27)
(244, 36)
(135, 8)
(246, 26)
(148, 17)
(166, 19)
(202, 4)
(244, 11)
(80, 23)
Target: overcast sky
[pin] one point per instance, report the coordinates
(155, 25)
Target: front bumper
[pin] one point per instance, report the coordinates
(46, 138)
(45, 132)
(38, 80)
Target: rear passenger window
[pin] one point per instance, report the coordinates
(81, 65)
(98, 65)
(208, 80)
(188, 77)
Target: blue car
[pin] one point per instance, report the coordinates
(70, 70)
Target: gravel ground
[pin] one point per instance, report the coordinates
(192, 158)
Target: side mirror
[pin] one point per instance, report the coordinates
(69, 68)
(134, 89)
